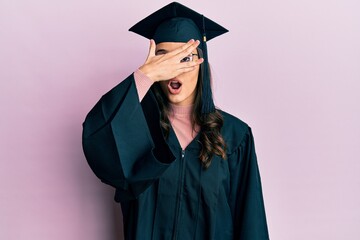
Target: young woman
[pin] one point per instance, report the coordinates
(182, 169)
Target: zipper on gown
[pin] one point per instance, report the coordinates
(180, 193)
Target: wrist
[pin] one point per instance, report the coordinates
(145, 71)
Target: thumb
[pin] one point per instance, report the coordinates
(151, 49)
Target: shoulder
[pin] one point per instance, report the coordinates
(234, 131)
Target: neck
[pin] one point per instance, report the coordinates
(181, 110)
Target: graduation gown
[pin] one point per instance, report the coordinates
(164, 191)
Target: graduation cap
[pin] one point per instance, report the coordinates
(177, 23)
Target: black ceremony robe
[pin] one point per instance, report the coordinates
(164, 191)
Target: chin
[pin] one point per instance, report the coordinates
(175, 100)
(180, 100)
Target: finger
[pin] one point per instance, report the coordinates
(188, 50)
(185, 70)
(151, 49)
(188, 67)
(182, 48)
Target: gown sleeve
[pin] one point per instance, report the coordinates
(246, 198)
(123, 141)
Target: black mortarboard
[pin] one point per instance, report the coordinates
(177, 23)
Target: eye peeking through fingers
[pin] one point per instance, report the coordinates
(188, 58)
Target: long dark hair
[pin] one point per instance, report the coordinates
(210, 124)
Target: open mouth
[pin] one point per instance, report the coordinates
(174, 86)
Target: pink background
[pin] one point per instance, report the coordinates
(291, 69)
